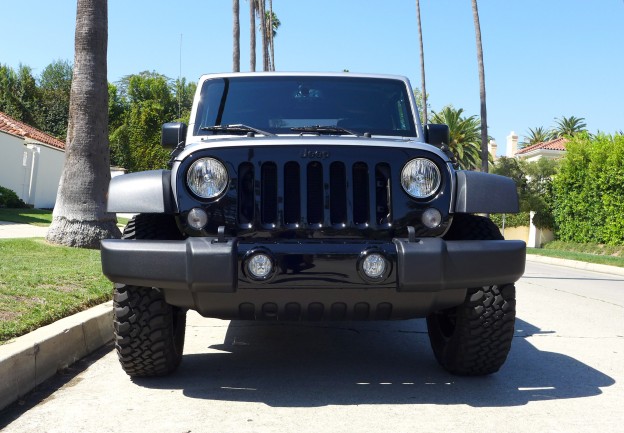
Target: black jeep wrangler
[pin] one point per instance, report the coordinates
(312, 197)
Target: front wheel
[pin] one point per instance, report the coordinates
(149, 333)
(474, 338)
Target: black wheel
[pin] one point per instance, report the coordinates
(475, 337)
(149, 333)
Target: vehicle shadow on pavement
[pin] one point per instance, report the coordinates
(306, 365)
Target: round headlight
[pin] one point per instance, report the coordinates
(420, 178)
(207, 178)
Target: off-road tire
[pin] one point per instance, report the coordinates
(149, 333)
(474, 338)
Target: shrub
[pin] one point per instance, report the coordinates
(511, 220)
(534, 184)
(8, 198)
(589, 191)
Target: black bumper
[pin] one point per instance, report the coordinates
(206, 265)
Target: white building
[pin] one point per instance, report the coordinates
(31, 162)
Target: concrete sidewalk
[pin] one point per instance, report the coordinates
(606, 269)
(27, 361)
(10, 230)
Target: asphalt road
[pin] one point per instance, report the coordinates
(564, 374)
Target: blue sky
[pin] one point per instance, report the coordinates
(543, 58)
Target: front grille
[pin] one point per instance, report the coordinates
(314, 195)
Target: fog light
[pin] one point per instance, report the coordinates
(260, 266)
(374, 266)
(432, 218)
(197, 218)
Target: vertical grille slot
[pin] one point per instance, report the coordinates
(337, 193)
(292, 194)
(382, 193)
(246, 203)
(315, 193)
(360, 193)
(269, 193)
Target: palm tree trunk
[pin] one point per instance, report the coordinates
(252, 35)
(422, 65)
(80, 218)
(236, 36)
(272, 53)
(484, 135)
(263, 31)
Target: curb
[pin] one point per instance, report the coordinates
(29, 360)
(614, 270)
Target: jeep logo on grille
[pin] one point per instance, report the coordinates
(314, 154)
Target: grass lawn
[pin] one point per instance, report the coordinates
(41, 283)
(37, 217)
(591, 253)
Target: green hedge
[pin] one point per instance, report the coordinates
(589, 191)
(511, 220)
(8, 198)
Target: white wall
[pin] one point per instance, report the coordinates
(12, 170)
(48, 175)
(31, 169)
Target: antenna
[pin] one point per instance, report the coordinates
(180, 81)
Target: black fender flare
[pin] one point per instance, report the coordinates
(485, 193)
(141, 192)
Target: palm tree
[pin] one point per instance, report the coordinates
(80, 218)
(252, 35)
(484, 134)
(465, 135)
(264, 32)
(422, 64)
(271, 34)
(536, 135)
(236, 36)
(273, 23)
(568, 126)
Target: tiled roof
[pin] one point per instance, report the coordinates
(556, 144)
(15, 127)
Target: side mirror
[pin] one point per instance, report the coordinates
(173, 134)
(437, 134)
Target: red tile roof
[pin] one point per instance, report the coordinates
(15, 127)
(556, 144)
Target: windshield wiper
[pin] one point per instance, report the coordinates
(237, 129)
(318, 129)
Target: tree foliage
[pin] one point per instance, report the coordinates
(534, 183)
(465, 135)
(568, 126)
(140, 104)
(19, 95)
(420, 100)
(536, 135)
(41, 102)
(589, 190)
(55, 84)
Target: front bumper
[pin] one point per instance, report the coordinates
(206, 265)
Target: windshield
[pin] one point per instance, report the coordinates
(277, 104)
